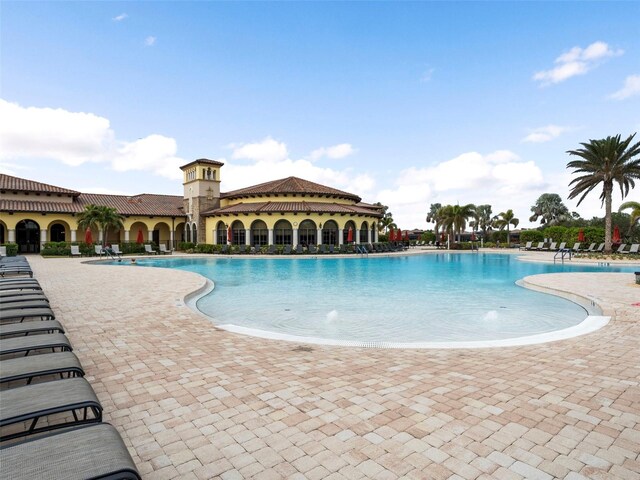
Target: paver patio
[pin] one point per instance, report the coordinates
(192, 401)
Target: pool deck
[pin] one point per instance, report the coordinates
(195, 402)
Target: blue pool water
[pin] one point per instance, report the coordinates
(421, 298)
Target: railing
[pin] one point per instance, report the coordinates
(563, 253)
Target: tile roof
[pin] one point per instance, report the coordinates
(15, 184)
(288, 207)
(143, 205)
(202, 160)
(290, 185)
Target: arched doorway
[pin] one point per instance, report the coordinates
(283, 233)
(364, 233)
(330, 233)
(345, 233)
(2, 230)
(28, 236)
(307, 233)
(259, 233)
(221, 235)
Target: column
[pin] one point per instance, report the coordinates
(340, 236)
(358, 236)
(43, 237)
(100, 236)
(271, 236)
(150, 236)
(247, 237)
(73, 236)
(215, 237)
(126, 236)
(12, 236)
(375, 235)
(319, 237)
(295, 237)
(171, 238)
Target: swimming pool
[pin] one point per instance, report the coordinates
(391, 300)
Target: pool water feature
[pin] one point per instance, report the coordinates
(415, 300)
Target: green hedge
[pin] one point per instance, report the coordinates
(570, 234)
(12, 249)
(531, 236)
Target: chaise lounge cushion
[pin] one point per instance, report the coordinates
(28, 368)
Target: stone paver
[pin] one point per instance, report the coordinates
(192, 401)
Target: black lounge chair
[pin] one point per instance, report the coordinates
(242, 249)
(32, 343)
(312, 249)
(64, 364)
(6, 281)
(88, 451)
(14, 271)
(30, 403)
(299, 249)
(28, 328)
(9, 298)
(332, 249)
(224, 249)
(26, 304)
(271, 250)
(20, 287)
(286, 250)
(21, 314)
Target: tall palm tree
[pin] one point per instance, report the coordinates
(505, 219)
(101, 217)
(550, 209)
(483, 219)
(433, 216)
(635, 212)
(455, 217)
(605, 161)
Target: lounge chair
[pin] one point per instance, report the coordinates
(299, 249)
(90, 451)
(62, 364)
(271, 250)
(551, 247)
(98, 250)
(116, 249)
(224, 249)
(15, 271)
(163, 249)
(8, 298)
(32, 343)
(242, 249)
(540, 246)
(592, 248)
(27, 328)
(20, 287)
(527, 246)
(600, 248)
(149, 250)
(633, 249)
(32, 402)
(576, 247)
(286, 250)
(24, 304)
(3, 251)
(323, 248)
(562, 246)
(12, 315)
(312, 249)
(75, 251)
(621, 248)
(332, 249)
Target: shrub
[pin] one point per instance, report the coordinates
(531, 236)
(499, 236)
(184, 246)
(556, 233)
(12, 249)
(206, 248)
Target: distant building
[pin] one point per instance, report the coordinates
(286, 211)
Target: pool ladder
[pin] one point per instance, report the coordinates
(563, 253)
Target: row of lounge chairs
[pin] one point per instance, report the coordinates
(322, 249)
(50, 417)
(114, 250)
(554, 247)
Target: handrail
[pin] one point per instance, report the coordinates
(563, 253)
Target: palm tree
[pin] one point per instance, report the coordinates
(386, 221)
(483, 219)
(101, 217)
(550, 209)
(635, 212)
(505, 219)
(605, 161)
(434, 216)
(455, 217)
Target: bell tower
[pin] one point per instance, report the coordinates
(201, 181)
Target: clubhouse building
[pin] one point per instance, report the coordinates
(289, 211)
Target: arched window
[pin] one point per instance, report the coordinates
(330, 233)
(187, 229)
(222, 233)
(57, 232)
(374, 227)
(364, 233)
(194, 233)
(283, 233)
(259, 233)
(307, 232)
(345, 232)
(239, 234)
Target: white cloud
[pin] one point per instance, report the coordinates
(576, 61)
(335, 152)
(268, 150)
(75, 138)
(150, 41)
(545, 134)
(631, 88)
(120, 17)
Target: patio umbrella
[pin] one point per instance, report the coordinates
(350, 235)
(392, 236)
(616, 235)
(140, 238)
(581, 235)
(229, 235)
(406, 235)
(87, 236)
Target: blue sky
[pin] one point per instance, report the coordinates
(407, 103)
